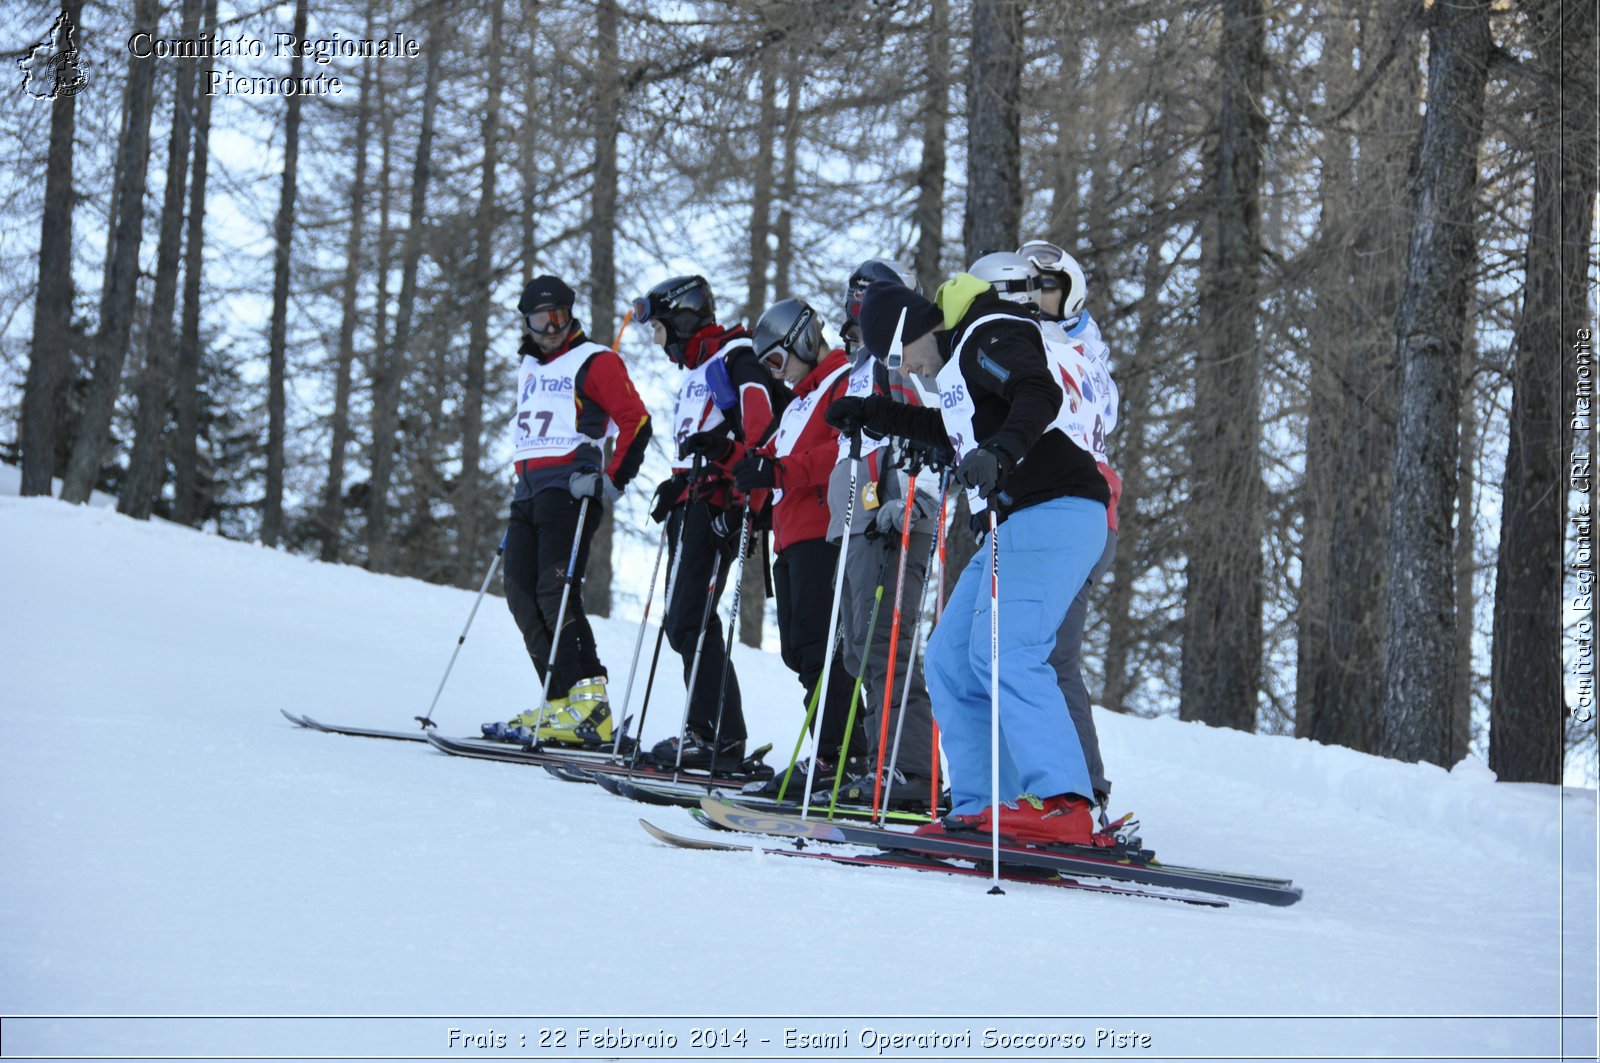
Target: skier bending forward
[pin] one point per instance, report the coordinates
(1001, 410)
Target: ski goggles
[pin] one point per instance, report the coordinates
(548, 321)
(775, 358)
(642, 310)
(1043, 254)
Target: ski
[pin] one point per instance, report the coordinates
(687, 794)
(591, 761)
(1128, 866)
(918, 862)
(359, 732)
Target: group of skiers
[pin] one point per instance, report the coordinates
(998, 385)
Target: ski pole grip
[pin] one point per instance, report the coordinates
(855, 444)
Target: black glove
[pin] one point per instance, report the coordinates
(932, 455)
(712, 446)
(755, 471)
(592, 483)
(667, 495)
(983, 469)
(724, 526)
(852, 412)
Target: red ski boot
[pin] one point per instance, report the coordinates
(1061, 820)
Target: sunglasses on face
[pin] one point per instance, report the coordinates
(550, 321)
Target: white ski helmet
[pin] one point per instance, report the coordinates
(1056, 267)
(1014, 277)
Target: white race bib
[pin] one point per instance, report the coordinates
(696, 410)
(546, 422)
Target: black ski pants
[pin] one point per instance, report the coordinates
(706, 553)
(538, 547)
(803, 576)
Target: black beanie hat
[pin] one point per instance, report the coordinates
(543, 293)
(881, 304)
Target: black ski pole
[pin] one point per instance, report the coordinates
(666, 606)
(733, 622)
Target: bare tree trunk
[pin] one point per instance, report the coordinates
(50, 353)
(1319, 491)
(187, 505)
(147, 463)
(1129, 457)
(1221, 670)
(397, 358)
(120, 294)
(994, 128)
(332, 522)
(1420, 665)
(929, 212)
(761, 198)
(603, 269)
(994, 172)
(471, 503)
(783, 229)
(1526, 721)
(277, 346)
(1465, 562)
(1352, 698)
(1066, 161)
(528, 142)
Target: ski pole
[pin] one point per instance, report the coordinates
(427, 720)
(733, 620)
(894, 628)
(694, 668)
(638, 646)
(855, 695)
(699, 649)
(666, 608)
(833, 624)
(938, 614)
(561, 617)
(994, 694)
(911, 662)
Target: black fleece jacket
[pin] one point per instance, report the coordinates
(1015, 398)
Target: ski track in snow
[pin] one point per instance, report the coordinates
(174, 846)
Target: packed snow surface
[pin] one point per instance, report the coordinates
(174, 847)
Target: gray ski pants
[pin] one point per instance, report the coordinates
(1067, 660)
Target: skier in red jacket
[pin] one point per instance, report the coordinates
(572, 395)
(795, 465)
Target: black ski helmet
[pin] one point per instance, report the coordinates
(873, 269)
(790, 326)
(683, 305)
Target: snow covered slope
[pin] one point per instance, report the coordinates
(172, 846)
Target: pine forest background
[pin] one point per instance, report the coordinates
(1340, 250)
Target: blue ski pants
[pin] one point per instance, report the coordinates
(1046, 554)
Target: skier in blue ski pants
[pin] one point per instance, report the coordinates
(1046, 553)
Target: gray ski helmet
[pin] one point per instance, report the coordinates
(873, 269)
(792, 328)
(1014, 277)
(683, 305)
